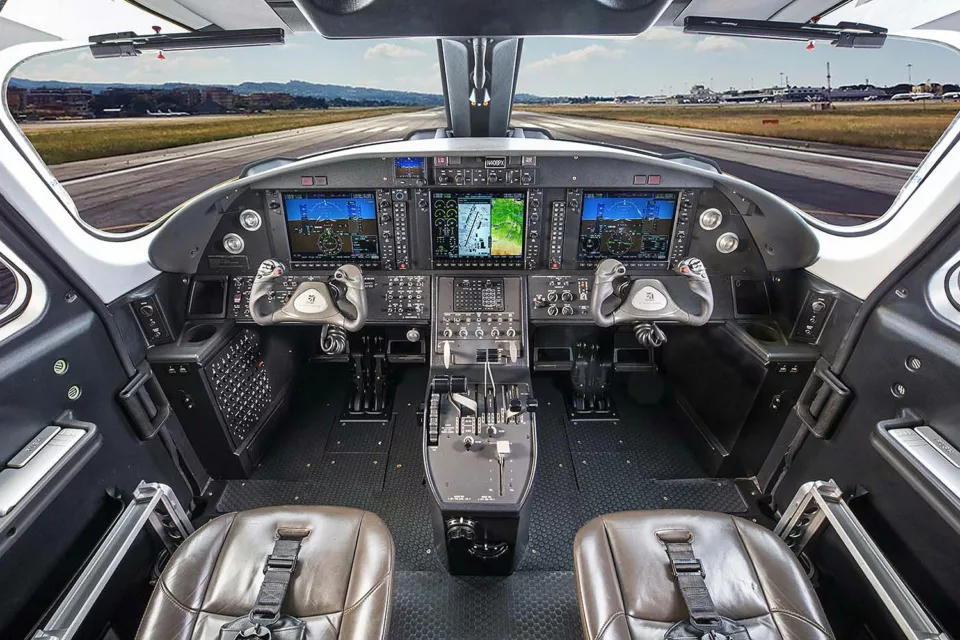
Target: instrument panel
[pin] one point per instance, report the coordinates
(552, 217)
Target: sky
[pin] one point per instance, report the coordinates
(660, 61)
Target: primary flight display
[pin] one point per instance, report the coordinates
(627, 225)
(331, 226)
(477, 225)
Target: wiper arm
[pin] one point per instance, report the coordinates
(127, 44)
(847, 35)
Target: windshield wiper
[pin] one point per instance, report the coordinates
(847, 35)
(127, 43)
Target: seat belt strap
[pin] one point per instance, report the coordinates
(278, 572)
(690, 576)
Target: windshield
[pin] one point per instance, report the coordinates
(835, 132)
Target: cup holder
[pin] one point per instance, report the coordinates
(199, 333)
(763, 333)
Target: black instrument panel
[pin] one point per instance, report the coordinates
(553, 218)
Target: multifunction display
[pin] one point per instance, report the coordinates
(477, 228)
(627, 225)
(331, 226)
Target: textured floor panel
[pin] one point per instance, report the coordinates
(556, 513)
(360, 437)
(531, 605)
(646, 432)
(240, 495)
(405, 507)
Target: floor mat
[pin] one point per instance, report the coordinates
(583, 469)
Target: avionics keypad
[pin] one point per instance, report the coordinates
(478, 294)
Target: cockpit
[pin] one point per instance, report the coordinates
(483, 381)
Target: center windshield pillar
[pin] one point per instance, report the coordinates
(479, 79)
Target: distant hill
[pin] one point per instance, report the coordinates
(292, 87)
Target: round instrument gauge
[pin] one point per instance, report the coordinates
(589, 244)
(328, 244)
(618, 245)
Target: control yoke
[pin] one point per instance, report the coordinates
(646, 299)
(311, 302)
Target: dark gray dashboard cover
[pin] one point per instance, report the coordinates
(489, 18)
(784, 239)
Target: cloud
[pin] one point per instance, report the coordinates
(590, 52)
(390, 50)
(720, 43)
(664, 34)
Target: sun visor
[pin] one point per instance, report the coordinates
(488, 18)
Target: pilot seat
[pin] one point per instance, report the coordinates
(671, 574)
(326, 571)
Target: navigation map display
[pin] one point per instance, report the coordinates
(477, 225)
(627, 225)
(331, 226)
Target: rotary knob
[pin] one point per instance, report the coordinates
(462, 333)
(461, 529)
(552, 310)
(566, 296)
(552, 296)
(494, 333)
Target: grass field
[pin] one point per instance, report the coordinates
(87, 140)
(914, 126)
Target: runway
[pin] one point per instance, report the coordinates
(840, 185)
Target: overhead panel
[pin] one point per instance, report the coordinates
(486, 18)
(173, 11)
(803, 10)
(747, 9)
(900, 16)
(225, 14)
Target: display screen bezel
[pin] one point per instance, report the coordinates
(506, 261)
(628, 193)
(306, 263)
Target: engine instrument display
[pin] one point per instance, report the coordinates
(478, 227)
(331, 227)
(628, 225)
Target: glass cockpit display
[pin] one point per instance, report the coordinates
(331, 226)
(408, 168)
(627, 225)
(477, 225)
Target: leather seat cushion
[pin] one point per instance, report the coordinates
(627, 589)
(342, 586)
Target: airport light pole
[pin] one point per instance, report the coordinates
(910, 73)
